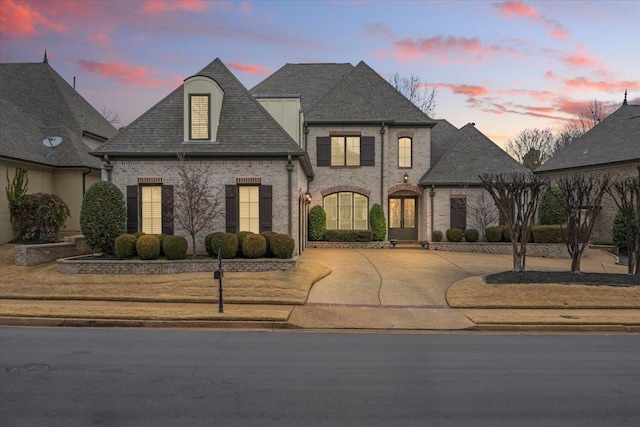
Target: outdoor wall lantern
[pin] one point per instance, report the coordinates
(307, 196)
(406, 177)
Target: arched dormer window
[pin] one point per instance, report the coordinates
(202, 105)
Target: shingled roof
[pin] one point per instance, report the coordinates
(469, 153)
(342, 93)
(615, 139)
(37, 103)
(245, 129)
(441, 134)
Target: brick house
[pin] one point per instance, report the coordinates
(219, 126)
(611, 147)
(38, 104)
(369, 144)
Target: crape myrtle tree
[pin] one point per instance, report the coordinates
(581, 196)
(516, 195)
(626, 193)
(198, 202)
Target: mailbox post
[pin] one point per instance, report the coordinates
(218, 274)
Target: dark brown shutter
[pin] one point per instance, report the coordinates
(459, 213)
(367, 151)
(231, 208)
(167, 209)
(323, 149)
(266, 209)
(132, 209)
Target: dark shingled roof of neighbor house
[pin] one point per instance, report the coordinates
(37, 103)
(469, 154)
(615, 139)
(245, 129)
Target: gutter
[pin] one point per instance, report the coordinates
(289, 195)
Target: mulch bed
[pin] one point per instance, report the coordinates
(562, 277)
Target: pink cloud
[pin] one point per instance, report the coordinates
(443, 48)
(579, 58)
(20, 19)
(102, 41)
(259, 70)
(519, 9)
(469, 90)
(379, 29)
(609, 86)
(124, 74)
(159, 6)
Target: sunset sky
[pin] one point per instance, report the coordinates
(505, 65)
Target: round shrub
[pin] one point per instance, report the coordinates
(437, 236)
(506, 235)
(241, 235)
(211, 243)
(175, 247)
(148, 247)
(471, 235)
(39, 216)
(139, 233)
(378, 223)
(317, 223)
(125, 246)
(282, 246)
(494, 234)
(228, 245)
(254, 246)
(268, 235)
(619, 231)
(103, 216)
(454, 235)
(550, 210)
(161, 238)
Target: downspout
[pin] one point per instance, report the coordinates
(289, 196)
(84, 181)
(382, 130)
(432, 193)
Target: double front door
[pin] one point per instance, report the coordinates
(403, 218)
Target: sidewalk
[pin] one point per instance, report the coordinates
(378, 289)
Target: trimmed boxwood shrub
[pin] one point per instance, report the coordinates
(317, 223)
(471, 235)
(254, 246)
(175, 247)
(549, 233)
(228, 245)
(282, 246)
(455, 234)
(437, 236)
(161, 238)
(139, 233)
(349, 235)
(494, 234)
(211, 243)
(241, 235)
(148, 247)
(103, 216)
(268, 235)
(125, 246)
(378, 223)
(506, 235)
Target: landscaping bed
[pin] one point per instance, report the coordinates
(562, 277)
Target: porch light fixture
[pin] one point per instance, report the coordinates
(307, 196)
(406, 177)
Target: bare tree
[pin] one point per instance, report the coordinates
(626, 193)
(198, 202)
(419, 93)
(532, 147)
(516, 195)
(482, 211)
(581, 196)
(585, 119)
(111, 115)
(566, 137)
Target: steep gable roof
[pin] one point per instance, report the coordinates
(38, 103)
(245, 127)
(469, 154)
(615, 139)
(441, 133)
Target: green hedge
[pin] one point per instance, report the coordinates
(454, 235)
(549, 233)
(211, 243)
(282, 246)
(125, 246)
(349, 236)
(317, 223)
(268, 235)
(241, 235)
(378, 223)
(254, 246)
(494, 234)
(148, 247)
(175, 247)
(471, 235)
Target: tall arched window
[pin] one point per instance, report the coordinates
(404, 152)
(347, 211)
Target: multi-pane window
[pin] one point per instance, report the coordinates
(345, 151)
(249, 208)
(151, 209)
(346, 211)
(199, 117)
(404, 152)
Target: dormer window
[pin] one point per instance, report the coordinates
(199, 117)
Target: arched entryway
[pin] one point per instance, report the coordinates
(403, 212)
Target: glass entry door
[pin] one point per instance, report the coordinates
(403, 218)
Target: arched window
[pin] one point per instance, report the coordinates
(404, 152)
(347, 211)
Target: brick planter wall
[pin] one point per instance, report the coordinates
(82, 265)
(28, 255)
(348, 245)
(545, 250)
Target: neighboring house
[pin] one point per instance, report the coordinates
(612, 147)
(36, 103)
(368, 144)
(220, 128)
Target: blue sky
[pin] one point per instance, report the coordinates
(505, 65)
